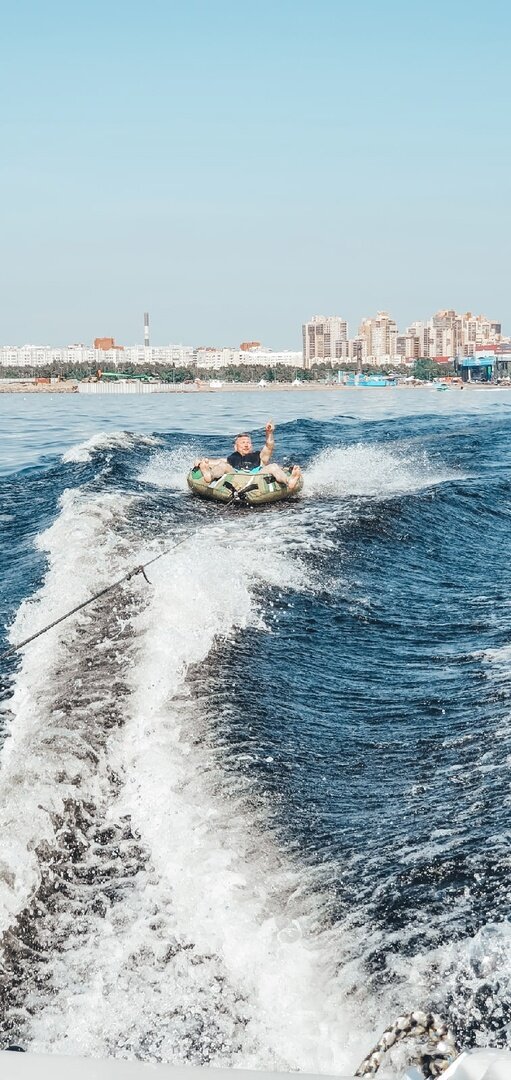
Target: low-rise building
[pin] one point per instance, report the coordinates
(45, 355)
(486, 363)
(272, 358)
(214, 359)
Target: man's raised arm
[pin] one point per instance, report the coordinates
(267, 450)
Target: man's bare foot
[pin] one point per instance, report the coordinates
(296, 475)
(205, 470)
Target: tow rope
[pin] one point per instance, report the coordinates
(102, 592)
(432, 1062)
(239, 494)
(235, 496)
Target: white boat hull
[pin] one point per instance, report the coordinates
(475, 1065)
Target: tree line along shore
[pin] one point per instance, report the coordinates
(64, 379)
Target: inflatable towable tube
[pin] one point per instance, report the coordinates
(249, 489)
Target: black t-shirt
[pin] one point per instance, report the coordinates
(245, 461)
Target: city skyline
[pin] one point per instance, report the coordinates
(343, 326)
(445, 336)
(205, 342)
(228, 167)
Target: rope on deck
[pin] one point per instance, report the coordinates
(412, 1025)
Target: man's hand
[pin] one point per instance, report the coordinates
(267, 449)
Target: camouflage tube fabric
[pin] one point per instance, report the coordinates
(263, 489)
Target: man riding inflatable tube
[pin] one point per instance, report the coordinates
(245, 459)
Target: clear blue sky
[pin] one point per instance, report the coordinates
(234, 166)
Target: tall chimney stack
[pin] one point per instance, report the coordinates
(146, 330)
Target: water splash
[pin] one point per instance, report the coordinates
(368, 470)
(114, 440)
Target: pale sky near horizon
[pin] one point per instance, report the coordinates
(235, 166)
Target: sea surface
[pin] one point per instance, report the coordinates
(254, 809)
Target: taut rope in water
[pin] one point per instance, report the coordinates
(115, 585)
(236, 496)
(413, 1025)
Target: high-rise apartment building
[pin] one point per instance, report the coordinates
(380, 336)
(446, 335)
(454, 334)
(418, 333)
(477, 330)
(408, 345)
(323, 337)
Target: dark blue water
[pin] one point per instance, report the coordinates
(340, 672)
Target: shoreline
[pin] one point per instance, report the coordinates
(30, 387)
(134, 390)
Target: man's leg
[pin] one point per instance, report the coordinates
(282, 477)
(213, 468)
(276, 471)
(296, 475)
